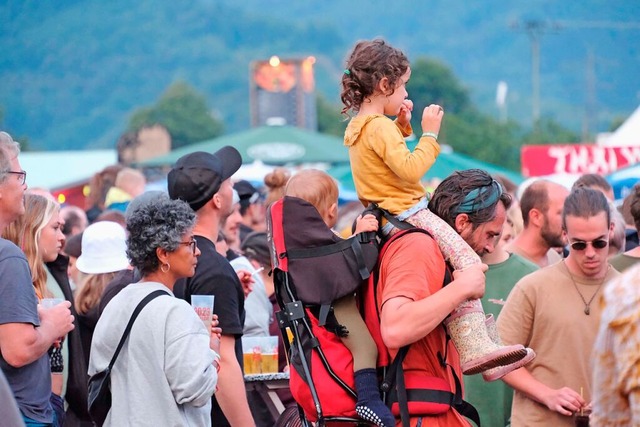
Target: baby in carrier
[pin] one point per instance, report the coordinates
(320, 190)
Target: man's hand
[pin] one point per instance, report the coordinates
(56, 320)
(246, 280)
(564, 401)
(472, 280)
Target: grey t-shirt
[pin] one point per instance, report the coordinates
(30, 384)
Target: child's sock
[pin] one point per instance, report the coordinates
(370, 406)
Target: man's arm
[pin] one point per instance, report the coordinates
(231, 394)
(409, 312)
(563, 400)
(23, 343)
(426, 314)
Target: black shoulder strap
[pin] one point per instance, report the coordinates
(137, 311)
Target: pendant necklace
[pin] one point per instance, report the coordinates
(587, 305)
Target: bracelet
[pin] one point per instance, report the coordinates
(431, 134)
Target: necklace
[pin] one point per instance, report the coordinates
(587, 305)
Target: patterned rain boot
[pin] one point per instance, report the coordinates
(466, 326)
(499, 372)
(370, 406)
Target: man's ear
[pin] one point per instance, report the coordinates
(612, 228)
(536, 217)
(216, 200)
(462, 222)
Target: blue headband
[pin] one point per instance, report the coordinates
(481, 198)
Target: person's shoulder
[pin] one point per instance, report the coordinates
(542, 277)
(8, 249)
(414, 243)
(522, 262)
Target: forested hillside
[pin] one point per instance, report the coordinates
(72, 72)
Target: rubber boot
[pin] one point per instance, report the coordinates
(370, 406)
(499, 372)
(466, 326)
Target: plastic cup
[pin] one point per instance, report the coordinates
(252, 355)
(269, 347)
(203, 306)
(51, 302)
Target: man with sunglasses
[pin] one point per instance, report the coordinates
(556, 312)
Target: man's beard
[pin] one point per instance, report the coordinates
(553, 240)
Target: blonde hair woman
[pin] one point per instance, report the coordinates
(39, 235)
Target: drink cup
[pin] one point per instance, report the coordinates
(51, 302)
(203, 306)
(581, 418)
(269, 347)
(252, 355)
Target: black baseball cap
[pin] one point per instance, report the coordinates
(197, 176)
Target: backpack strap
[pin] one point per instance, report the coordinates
(352, 243)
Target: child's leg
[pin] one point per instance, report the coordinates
(466, 324)
(359, 341)
(452, 246)
(369, 406)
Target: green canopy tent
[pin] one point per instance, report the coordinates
(272, 145)
(445, 165)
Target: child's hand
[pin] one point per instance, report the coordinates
(432, 118)
(404, 115)
(366, 223)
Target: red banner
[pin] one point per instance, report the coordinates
(538, 160)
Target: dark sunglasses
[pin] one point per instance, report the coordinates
(192, 243)
(597, 244)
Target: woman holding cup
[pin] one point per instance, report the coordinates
(166, 372)
(39, 234)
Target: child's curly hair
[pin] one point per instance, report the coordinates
(368, 64)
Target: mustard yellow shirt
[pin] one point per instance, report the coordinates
(384, 170)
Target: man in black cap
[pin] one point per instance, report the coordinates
(203, 180)
(251, 208)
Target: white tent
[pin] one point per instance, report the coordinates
(628, 134)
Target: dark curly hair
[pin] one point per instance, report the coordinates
(368, 64)
(453, 192)
(159, 223)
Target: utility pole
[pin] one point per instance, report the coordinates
(535, 29)
(590, 99)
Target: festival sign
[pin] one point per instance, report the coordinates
(539, 160)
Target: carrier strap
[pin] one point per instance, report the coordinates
(352, 243)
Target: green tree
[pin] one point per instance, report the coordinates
(433, 82)
(330, 120)
(548, 131)
(184, 113)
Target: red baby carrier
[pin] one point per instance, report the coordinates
(313, 267)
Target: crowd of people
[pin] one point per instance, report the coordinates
(530, 293)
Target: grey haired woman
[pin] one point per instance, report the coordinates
(166, 372)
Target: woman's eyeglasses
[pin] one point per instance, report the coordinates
(597, 244)
(192, 243)
(22, 174)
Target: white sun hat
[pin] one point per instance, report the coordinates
(104, 246)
